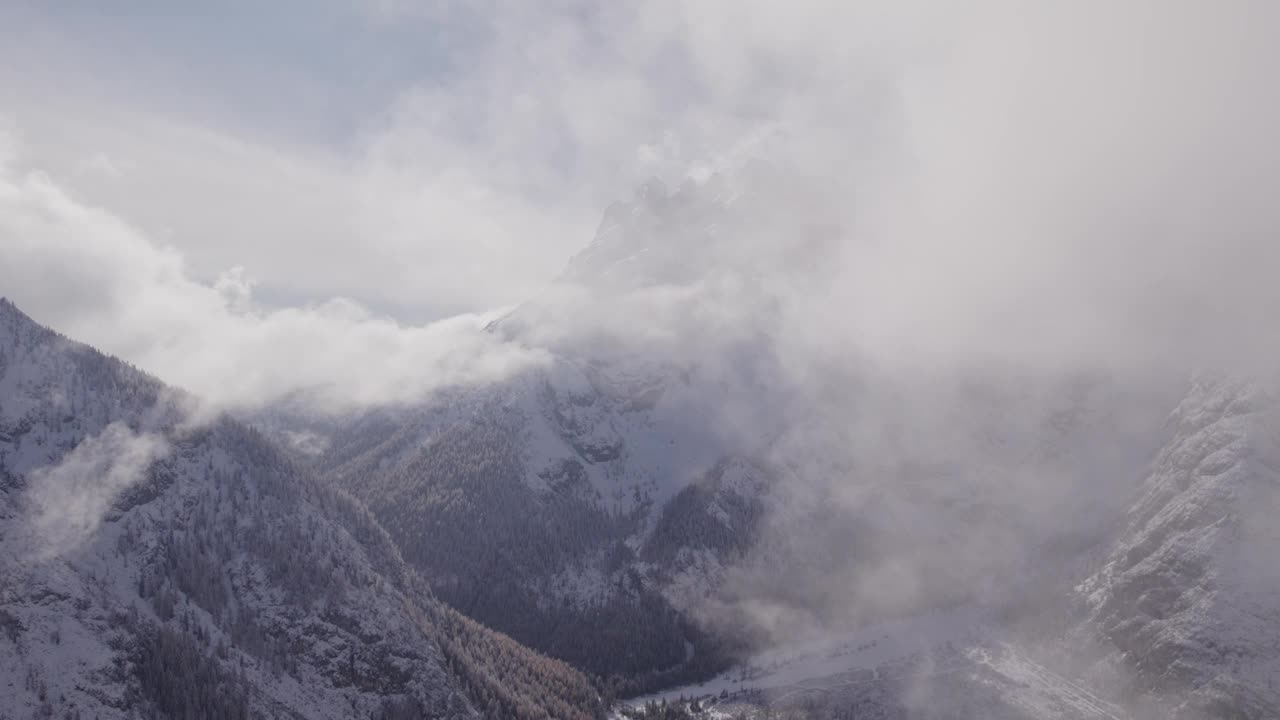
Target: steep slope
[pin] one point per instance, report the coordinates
(1188, 599)
(514, 531)
(163, 564)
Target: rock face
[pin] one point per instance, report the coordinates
(1189, 595)
(163, 564)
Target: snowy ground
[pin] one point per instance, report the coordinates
(867, 648)
(946, 658)
(1038, 691)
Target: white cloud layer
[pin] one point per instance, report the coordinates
(97, 279)
(1069, 185)
(71, 498)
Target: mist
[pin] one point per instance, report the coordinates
(71, 498)
(98, 279)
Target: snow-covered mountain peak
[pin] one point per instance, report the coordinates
(753, 212)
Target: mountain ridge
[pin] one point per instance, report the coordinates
(198, 572)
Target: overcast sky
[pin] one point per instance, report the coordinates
(209, 187)
(368, 139)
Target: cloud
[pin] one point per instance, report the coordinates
(993, 195)
(1071, 205)
(397, 217)
(70, 499)
(1002, 194)
(99, 280)
(464, 184)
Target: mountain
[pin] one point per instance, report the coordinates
(158, 562)
(587, 506)
(558, 509)
(1187, 600)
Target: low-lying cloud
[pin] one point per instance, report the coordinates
(95, 278)
(71, 498)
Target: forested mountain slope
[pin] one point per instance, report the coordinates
(164, 564)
